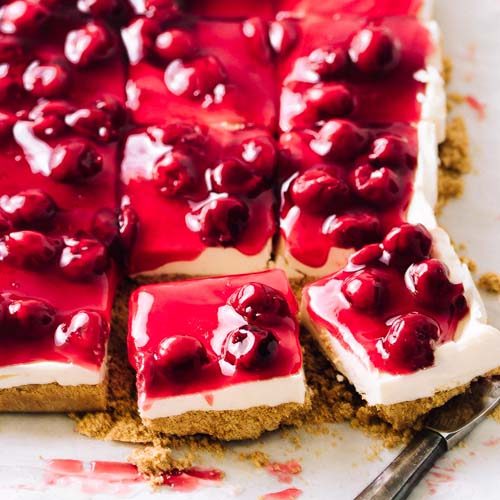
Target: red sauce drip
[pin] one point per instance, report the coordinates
(288, 494)
(478, 106)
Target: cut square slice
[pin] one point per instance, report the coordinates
(218, 356)
(54, 330)
(404, 323)
(384, 70)
(185, 70)
(345, 185)
(203, 199)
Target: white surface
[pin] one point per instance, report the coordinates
(336, 466)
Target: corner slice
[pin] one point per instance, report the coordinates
(218, 356)
(404, 323)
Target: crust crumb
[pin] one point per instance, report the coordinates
(447, 69)
(471, 264)
(257, 458)
(490, 282)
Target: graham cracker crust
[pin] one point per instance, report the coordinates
(53, 398)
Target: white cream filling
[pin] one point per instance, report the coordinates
(272, 392)
(474, 351)
(48, 372)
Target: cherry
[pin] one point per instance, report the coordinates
(46, 80)
(283, 36)
(114, 109)
(378, 186)
(366, 255)
(173, 174)
(179, 133)
(57, 108)
(93, 123)
(99, 8)
(354, 230)
(195, 78)
(105, 226)
(9, 85)
(83, 258)
(127, 225)
(22, 16)
(407, 244)
(340, 139)
(32, 208)
(318, 192)
(174, 44)
(222, 221)
(88, 45)
(409, 343)
(74, 160)
(234, 177)
(29, 249)
(260, 153)
(366, 290)
(250, 347)
(256, 31)
(328, 62)
(30, 318)
(430, 284)
(11, 49)
(180, 358)
(391, 150)
(85, 331)
(374, 50)
(138, 38)
(5, 225)
(259, 303)
(7, 122)
(47, 127)
(330, 100)
(160, 10)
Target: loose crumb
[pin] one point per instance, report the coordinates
(257, 458)
(490, 282)
(469, 263)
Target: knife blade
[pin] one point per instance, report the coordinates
(445, 427)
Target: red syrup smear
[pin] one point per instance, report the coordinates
(478, 106)
(117, 477)
(284, 471)
(288, 494)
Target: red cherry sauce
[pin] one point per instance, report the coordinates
(353, 327)
(232, 95)
(369, 8)
(306, 234)
(168, 229)
(229, 10)
(389, 96)
(200, 309)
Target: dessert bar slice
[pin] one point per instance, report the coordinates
(384, 70)
(218, 356)
(202, 197)
(404, 323)
(345, 185)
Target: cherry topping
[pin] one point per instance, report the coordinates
(430, 284)
(260, 153)
(88, 45)
(234, 177)
(330, 100)
(283, 36)
(374, 50)
(173, 174)
(378, 186)
(105, 226)
(222, 221)
(250, 347)
(9, 85)
(32, 208)
(259, 303)
(84, 331)
(22, 16)
(409, 343)
(99, 8)
(50, 126)
(83, 258)
(46, 80)
(340, 139)
(367, 255)
(30, 318)
(5, 225)
(407, 244)
(7, 122)
(139, 37)
(195, 78)
(180, 357)
(29, 249)
(354, 230)
(174, 44)
(366, 290)
(74, 160)
(319, 192)
(11, 49)
(390, 150)
(127, 225)
(328, 62)
(256, 30)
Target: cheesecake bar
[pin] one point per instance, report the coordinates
(404, 322)
(218, 356)
(345, 185)
(202, 198)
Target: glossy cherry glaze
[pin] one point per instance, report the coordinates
(378, 79)
(229, 10)
(373, 302)
(187, 337)
(338, 197)
(209, 82)
(191, 188)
